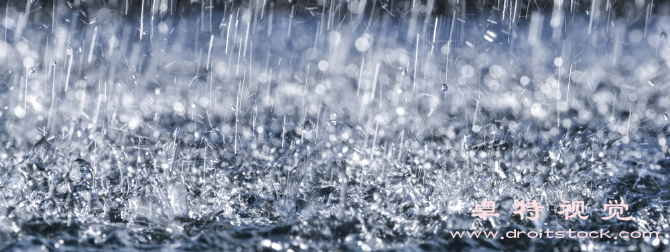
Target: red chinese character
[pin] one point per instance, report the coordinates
(615, 209)
(486, 209)
(576, 208)
(533, 206)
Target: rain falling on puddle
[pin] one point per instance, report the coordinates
(330, 125)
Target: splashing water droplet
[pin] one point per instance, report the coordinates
(445, 87)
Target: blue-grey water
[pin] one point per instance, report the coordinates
(330, 125)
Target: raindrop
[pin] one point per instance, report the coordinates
(445, 87)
